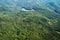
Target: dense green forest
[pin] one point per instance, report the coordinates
(29, 19)
(29, 25)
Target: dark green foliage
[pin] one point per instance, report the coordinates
(30, 25)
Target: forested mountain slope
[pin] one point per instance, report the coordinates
(29, 26)
(29, 20)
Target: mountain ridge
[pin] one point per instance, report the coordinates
(33, 4)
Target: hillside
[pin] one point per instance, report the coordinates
(31, 25)
(29, 20)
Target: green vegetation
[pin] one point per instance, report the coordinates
(31, 25)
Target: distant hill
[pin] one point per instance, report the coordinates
(51, 5)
